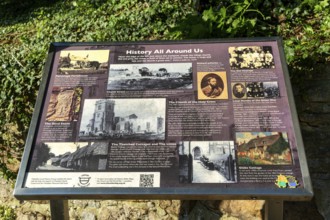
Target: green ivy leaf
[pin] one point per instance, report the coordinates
(236, 23)
(209, 15)
(253, 22)
(290, 53)
(223, 12)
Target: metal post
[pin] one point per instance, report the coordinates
(59, 209)
(274, 210)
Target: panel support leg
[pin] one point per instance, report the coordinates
(59, 209)
(274, 210)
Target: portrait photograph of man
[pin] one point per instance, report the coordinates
(239, 90)
(212, 85)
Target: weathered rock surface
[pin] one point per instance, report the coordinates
(243, 209)
(312, 97)
(61, 106)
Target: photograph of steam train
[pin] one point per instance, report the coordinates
(70, 156)
(150, 76)
(128, 119)
(83, 62)
(263, 148)
(207, 162)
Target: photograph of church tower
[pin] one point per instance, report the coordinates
(103, 118)
(128, 119)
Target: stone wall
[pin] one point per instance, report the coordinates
(312, 98)
(135, 209)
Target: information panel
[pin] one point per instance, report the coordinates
(206, 119)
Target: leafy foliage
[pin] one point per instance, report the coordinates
(7, 213)
(43, 155)
(245, 161)
(304, 26)
(28, 27)
(278, 147)
(231, 18)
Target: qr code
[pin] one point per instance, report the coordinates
(146, 180)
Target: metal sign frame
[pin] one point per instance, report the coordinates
(189, 191)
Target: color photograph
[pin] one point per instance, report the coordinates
(263, 148)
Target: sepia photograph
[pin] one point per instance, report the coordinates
(207, 162)
(83, 62)
(263, 148)
(212, 85)
(239, 90)
(150, 76)
(64, 104)
(123, 119)
(70, 156)
(253, 57)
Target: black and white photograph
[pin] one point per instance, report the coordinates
(253, 57)
(207, 162)
(267, 90)
(255, 90)
(123, 119)
(239, 90)
(76, 62)
(70, 156)
(150, 76)
(271, 90)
